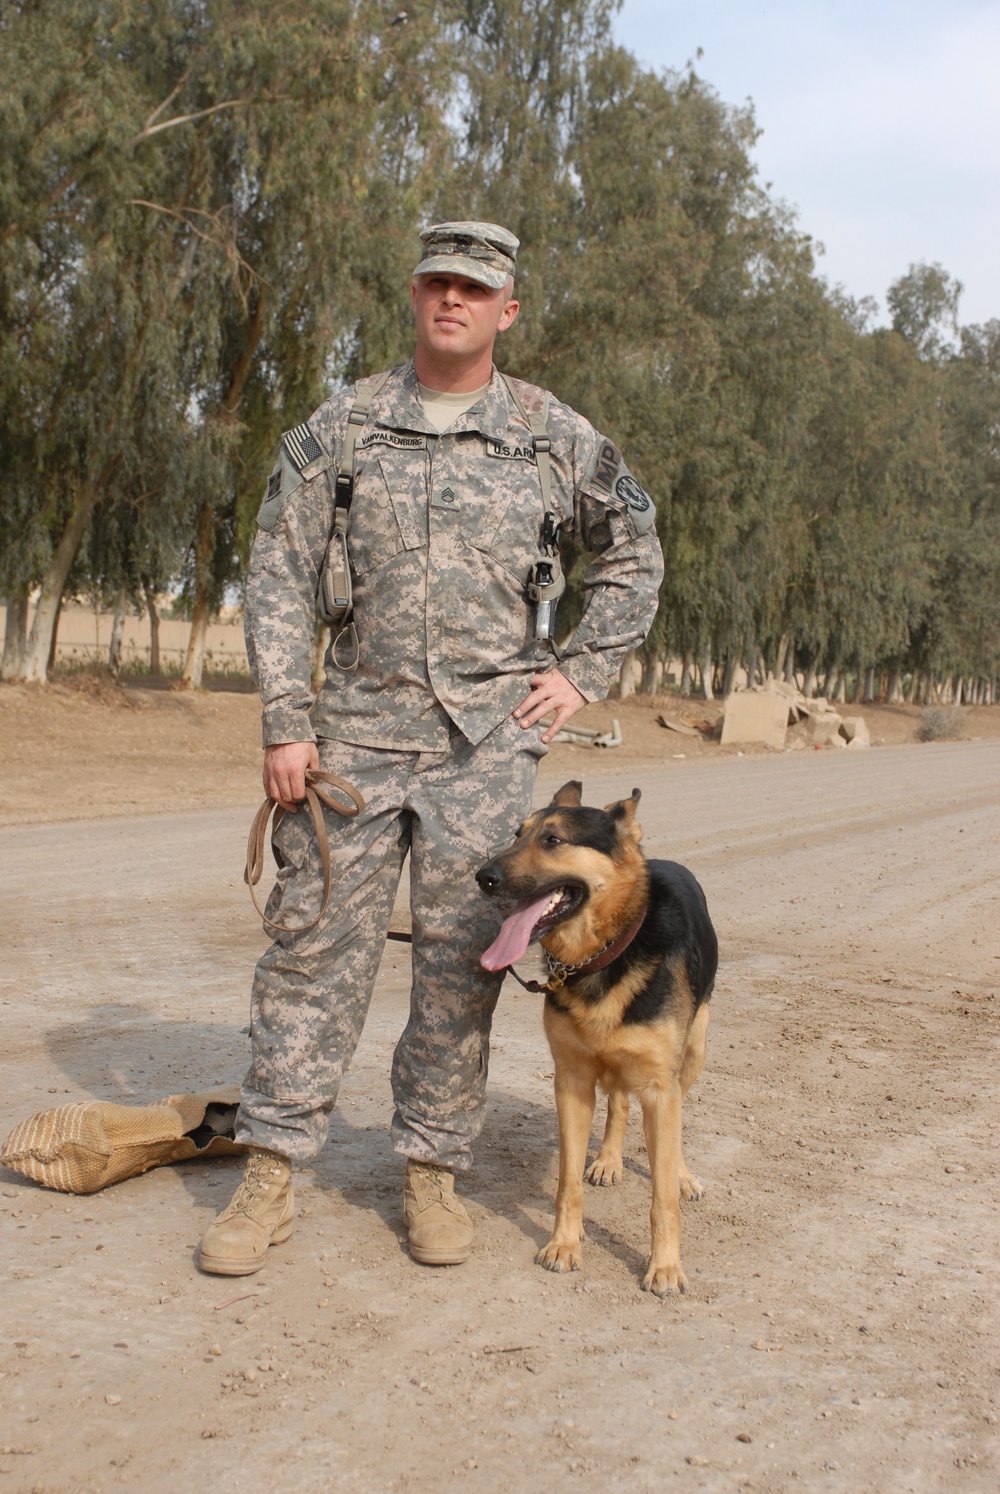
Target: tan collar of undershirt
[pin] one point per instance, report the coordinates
(442, 410)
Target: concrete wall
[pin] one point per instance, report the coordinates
(85, 636)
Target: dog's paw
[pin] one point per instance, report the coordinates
(604, 1171)
(557, 1257)
(665, 1281)
(690, 1186)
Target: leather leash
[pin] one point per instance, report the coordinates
(315, 799)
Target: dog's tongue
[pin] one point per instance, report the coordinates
(515, 935)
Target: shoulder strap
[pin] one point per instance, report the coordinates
(547, 582)
(538, 421)
(360, 410)
(336, 595)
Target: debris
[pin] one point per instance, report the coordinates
(229, 1302)
(588, 738)
(856, 731)
(824, 729)
(680, 726)
(755, 716)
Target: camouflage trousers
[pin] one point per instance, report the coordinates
(450, 811)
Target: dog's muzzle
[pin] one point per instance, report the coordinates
(490, 878)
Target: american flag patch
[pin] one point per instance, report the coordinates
(302, 446)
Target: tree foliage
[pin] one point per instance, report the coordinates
(207, 218)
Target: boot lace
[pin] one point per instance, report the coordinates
(258, 1179)
(431, 1184)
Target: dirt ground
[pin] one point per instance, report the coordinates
(841, 1330)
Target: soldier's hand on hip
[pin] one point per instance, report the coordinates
(285, 765)
(550, 691)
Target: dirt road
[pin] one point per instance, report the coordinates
(841, 1332)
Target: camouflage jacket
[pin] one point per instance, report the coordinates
(444, 531)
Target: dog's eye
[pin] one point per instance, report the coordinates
(552, 839)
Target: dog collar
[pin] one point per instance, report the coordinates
(559, 972)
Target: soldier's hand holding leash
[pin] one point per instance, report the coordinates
(285, 765)
(551, 691)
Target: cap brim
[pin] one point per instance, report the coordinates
(458, 264)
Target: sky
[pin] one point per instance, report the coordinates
(880, 120)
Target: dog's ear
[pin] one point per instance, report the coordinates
(570, 796)
(623, 814)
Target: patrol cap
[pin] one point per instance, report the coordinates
(484, 252)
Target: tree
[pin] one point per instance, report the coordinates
(163, 247)
(924, 307)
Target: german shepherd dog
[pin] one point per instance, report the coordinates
(632, 958)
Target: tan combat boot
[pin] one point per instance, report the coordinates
(439, 1228)
(260, 1215)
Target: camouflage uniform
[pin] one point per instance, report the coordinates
(444, 530)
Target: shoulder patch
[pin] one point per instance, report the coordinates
(610, 481)
(641, 508)
(270, 508)
(283, 481)
(635, 496)
(606, 465)
(302, 446)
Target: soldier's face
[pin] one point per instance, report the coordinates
(458, 318)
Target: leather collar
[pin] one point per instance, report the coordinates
(603, 957)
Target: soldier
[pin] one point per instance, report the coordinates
(430, 706)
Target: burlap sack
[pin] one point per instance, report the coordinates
(81, 1148)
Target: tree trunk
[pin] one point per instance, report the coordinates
(154, 629)
(194, 663)
(55, 639)
(685, 685)
(194, 660)
(779, 660)
(652, 674)
(706, 675)
(117, 635)
(809, 683)
(15, 638)
(751, 665)
(729, 679)
(41, 639)
(790, 663)
(627, 675)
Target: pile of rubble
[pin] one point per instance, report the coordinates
(764, 713)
